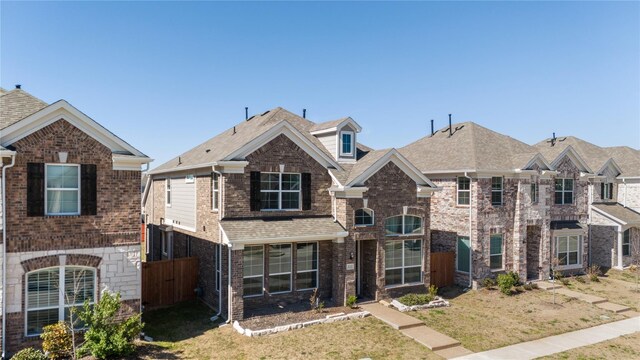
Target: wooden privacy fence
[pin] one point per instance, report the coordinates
(442, 268)
(167, 282)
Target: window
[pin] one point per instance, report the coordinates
(496, 190)
(280, 191)
(626, 243)
(403, 262)
(364, 217)
(495, 252)
(189, 179)
(564, 191)
(403, 225)
(218, 258)
(52, 292)
(463, 254)
(464, 191)
(307, 263)
(215, 191)
(253, 269)
(346, 147)
(534, 193)
(62, 196)
(163, 240)
(568, 250)
(279, 268)
(188, 243)
(168, 191)
(606, 191)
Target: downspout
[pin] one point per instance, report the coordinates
(624, 199)
(229, 290)
(470, 229)
(4, 255)
(619, 246)
(219, 256)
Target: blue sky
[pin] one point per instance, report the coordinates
(167, 76)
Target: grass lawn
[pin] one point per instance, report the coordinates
(487, 319)
(625, 347)
(184, 331)
(616, 291)
(625, 275)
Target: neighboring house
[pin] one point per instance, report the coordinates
(613, 177)
(496, 208)
(72, 215)
(277, 206)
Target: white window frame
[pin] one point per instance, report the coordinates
(370, 211)
(215, 191)
(569, 266)
(626, 242)
(352, 137)
(189, 179)
(46, 189)
(261, 275)
(608, 191)
(403, 267)
(166, 245)
(458, 191)
(501, 254)
(62, 305)
(534, 192)
(280, 191)
(563, 191)
(501, 191)
(458, 238)
(218, 274)
(403, 223)
(316, 270)
(167, 192)
(290, 272)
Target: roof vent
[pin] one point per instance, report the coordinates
(246, 113)
(450, 127)
(304, 113)
(431, 127)
(18, 86)
(554, 139)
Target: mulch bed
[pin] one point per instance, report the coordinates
(277, 315)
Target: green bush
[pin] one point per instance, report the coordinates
(416, 299)
(527, 287)
(489, 283)
(29, 354)
(107, 336)
(433, 291)
(593, 272)
(57, 341)
(351, 301)
(580, 279)
(506, 282)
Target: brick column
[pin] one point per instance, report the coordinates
(338, 288)
(237, 302)
(350, 261)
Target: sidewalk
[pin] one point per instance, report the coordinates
(559, 343)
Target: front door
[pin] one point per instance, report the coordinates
(534, 235)
(366, 269)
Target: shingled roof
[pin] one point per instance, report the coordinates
(16, 105)
(594, 156)
(627, 158)
(470, 148)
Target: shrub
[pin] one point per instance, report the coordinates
(520, 288)
(580, 279)
(489, 283)
(565, 281)
(57, 341)
(505, 283)
(515, 277)
(527, 286)
(29, 354)
(593, 272)
(416, 299)
(320, 307)
(107, 336)
(351, 301)
(557, 275)
(533, 286)
(433, 292)
(314, 300)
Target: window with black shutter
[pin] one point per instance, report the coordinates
(88, 189)
(35, 189)
(254, 201)
(306, 191)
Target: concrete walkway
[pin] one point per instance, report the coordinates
(559, 343)
(600, 302)
(409, 326)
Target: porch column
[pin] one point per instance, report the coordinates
(619, 247)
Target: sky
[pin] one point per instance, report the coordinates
(166, 76)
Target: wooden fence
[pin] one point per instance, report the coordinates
(442, 268)
(167, 282)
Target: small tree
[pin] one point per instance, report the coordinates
(107, 336)
(555, 263)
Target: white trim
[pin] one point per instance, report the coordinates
(292, 239)
(611, 163)
(492, 190)
(261, 276)
(403, 221)
(403, 267)
(132, 163)
(575, 159)
(609, 216)
(46, 190)
(458, 191)
(317, 269)
(61, 109)
(563, 191)
(352, 144)
(215, 193)
(540, 160)
(371, 213)
(167, 192)
(280, 191)
(502, 252)
(580, 250)
(400, 161)
(290, 273)
(346, 121)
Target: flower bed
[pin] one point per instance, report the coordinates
(436, 303)
(328, 319)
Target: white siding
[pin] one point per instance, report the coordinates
(329, 142)
(182, 212)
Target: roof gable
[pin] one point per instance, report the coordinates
(334, 125)
(574, 157)
(358, 178)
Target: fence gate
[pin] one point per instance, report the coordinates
(167, 282)
(442, 268)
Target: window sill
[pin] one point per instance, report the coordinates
(363, 226)
(275, 210)
(252, 296)
(462, 272)
(402, 235)
(569, 267)
(280, 292)
(497, 270)
(395, 286)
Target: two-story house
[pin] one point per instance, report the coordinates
(71, 215)
(613, 181)
(278, 205)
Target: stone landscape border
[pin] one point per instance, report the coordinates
(328, 319)
(436, 303)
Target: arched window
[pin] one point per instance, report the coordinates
(364, 217)
(403, 225)
(52, 292)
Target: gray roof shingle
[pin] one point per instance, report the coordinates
(594, 156)
(627, 158)
(16, 105)
(280, 228)
(619, 212)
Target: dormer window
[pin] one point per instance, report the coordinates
(346, 143)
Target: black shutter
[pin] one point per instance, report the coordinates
(254, 201)
(35, 189)
(610, 191)
(306, 191)
(602, 190)
(88, 189)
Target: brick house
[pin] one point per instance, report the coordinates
(71, 215)
(613, 177)
(278, 205)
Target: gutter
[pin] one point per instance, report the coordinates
(4, 254)
(470, 229)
